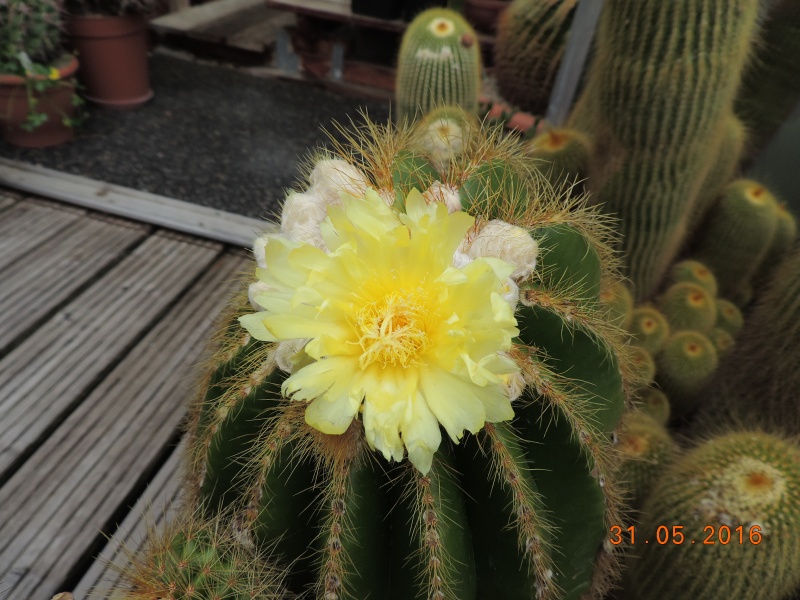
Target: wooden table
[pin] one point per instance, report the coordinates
(103, 322)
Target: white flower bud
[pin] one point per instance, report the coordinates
(507, 242)
(442, 140)
(303, 212)
(513, 385)
(259, 248)
(331, 177)
(439, 192)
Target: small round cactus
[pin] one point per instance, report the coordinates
(688, 306)
(649, 328)
(723, 341)
(646, 447)
(729, 317)
(693, 271)
(562, 155)
(731, 510)
(618, 301)
(643, 363)
(654, 403)
(197, 559)
(684, 364)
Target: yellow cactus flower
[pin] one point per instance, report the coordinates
(397, 334)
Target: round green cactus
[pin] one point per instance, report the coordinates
(737, 236)
(195, 558)
(367, 478)
(688, 306)
(649, 328)
(729, 316)
(618, 301)
(562, 155)
(729, 511)
(439, 64)
(686, 361)
(654, 403)
(693, 271)
(646, 448)
(722, 340)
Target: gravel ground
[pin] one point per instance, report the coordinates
(211, 135)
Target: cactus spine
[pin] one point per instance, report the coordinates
(347, 523)
(439, 64)
(654, 117)
(530, 41)
(744, 483)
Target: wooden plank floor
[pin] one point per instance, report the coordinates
(103, 323)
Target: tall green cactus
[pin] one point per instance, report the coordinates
(515, 501)
(653, 110)
(729, 511)
(439, 64)
(531, 36)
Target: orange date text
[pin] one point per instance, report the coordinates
(674, 534)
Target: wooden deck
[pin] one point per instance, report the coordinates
(103, 323)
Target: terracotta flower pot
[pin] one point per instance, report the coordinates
(113, 54)
(55, 102)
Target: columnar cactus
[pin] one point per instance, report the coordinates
(531, 36)
(728, 512)
(654, 117)
(319, 426)
(439, 64)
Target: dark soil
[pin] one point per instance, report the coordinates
(211, 135)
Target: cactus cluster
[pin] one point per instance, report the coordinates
(439, 64)
(531, 35)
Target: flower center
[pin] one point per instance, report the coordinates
(393, 331)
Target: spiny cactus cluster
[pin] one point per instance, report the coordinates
(31, 27)
(339, 466)
(439, 64)
(679, 338)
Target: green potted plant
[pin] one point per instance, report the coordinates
(37, 88)
(110, 37)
